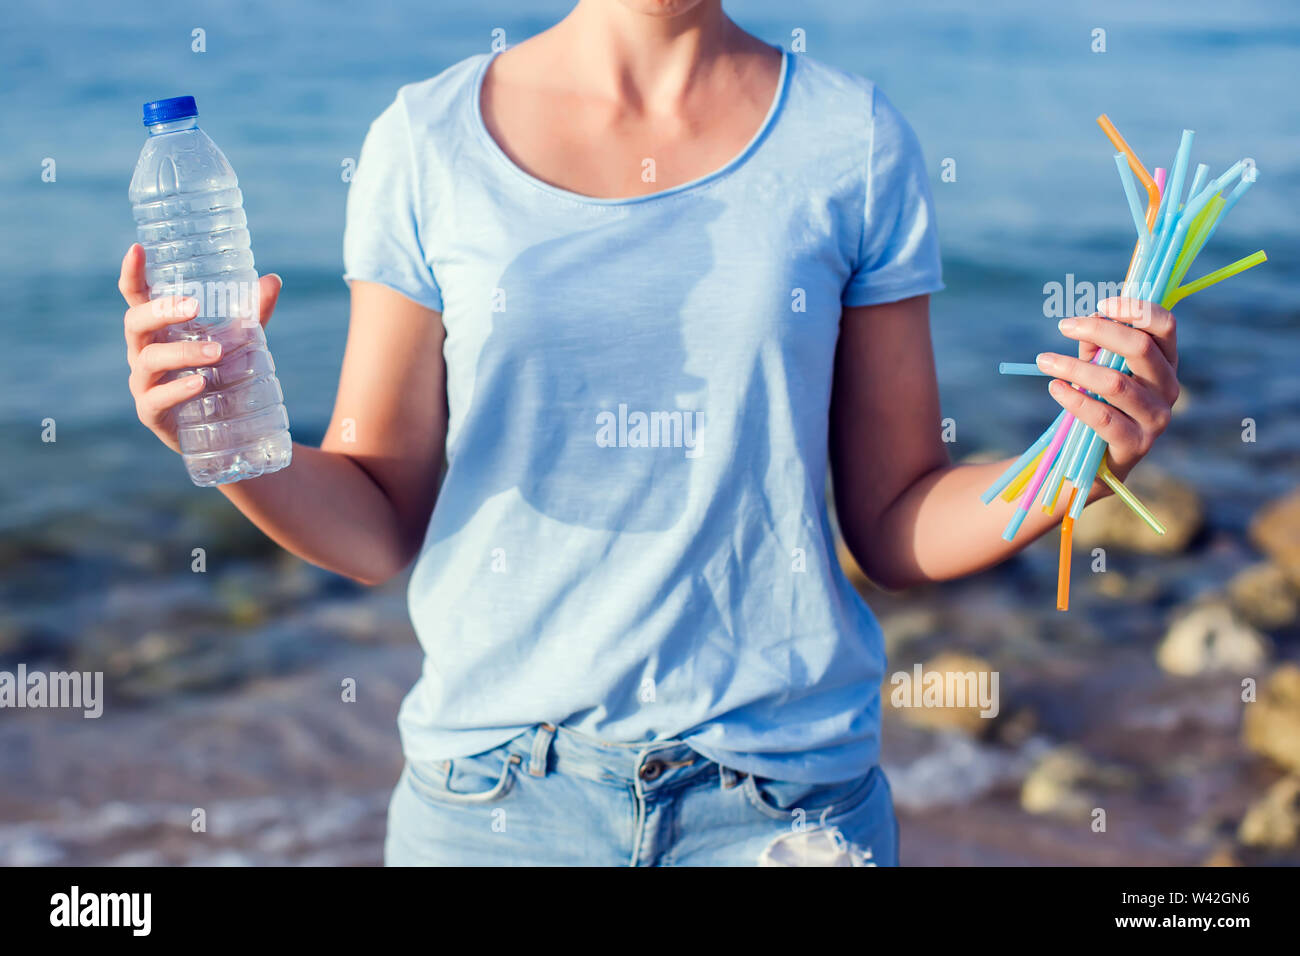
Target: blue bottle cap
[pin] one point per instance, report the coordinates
(164, 111)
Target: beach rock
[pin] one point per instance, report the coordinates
(1263, 596)
(901, 694)
(1210, 638)
(1067, 783)
(1110, 524)
(1271, 726)
(1275, 530)
(1273, 821)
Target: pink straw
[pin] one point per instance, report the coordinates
(1050, 455)
(1159, 177)
(1045, 465)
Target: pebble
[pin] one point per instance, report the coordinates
(1271, 727)
(1273, 821)
(1067, 783)
(1275, 530)
(1263, 596)
(1211, 638)
(968, 719)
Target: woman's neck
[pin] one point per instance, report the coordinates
(650, 61)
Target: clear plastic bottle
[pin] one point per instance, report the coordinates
(190, 219)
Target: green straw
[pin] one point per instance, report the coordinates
(1130, 499)
(1196, 236)
(1218, 275)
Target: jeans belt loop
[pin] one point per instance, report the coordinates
(541, 747)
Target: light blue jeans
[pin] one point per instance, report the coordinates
(552, 797)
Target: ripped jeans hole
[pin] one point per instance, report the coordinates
(814, 846)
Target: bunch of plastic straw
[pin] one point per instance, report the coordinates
(1170, 234)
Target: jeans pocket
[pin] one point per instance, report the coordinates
(464, 781)
(809, 803)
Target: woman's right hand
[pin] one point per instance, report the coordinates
(156, 392)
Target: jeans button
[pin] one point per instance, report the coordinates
(651, 769)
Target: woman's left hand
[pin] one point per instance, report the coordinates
(1137, 406)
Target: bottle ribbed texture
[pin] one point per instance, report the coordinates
(190, 219)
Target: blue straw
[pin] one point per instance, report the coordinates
(1158, 254)
(1019, 368)
(1056, 477)
(1131, 193)
(1171, 199)
(1014, 524)
(1139, 222)
(1179, 174)
(1077, 442)
(1228, 204)
(1160, 210)
(1169, 206)
(1090, 460)
(1107, 360)
(1090, 466)
(1220, 184)
(1198, 181)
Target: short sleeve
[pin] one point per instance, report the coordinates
(898, 256)
(381, 241)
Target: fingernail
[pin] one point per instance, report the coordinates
(1067, 325)
(1045, 360)
(1056, 387)
(196, 382)
(190, 306)
(211, 349)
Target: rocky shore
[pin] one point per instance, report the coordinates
(1153, 724)
(1168, 698)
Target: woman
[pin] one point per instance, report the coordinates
(638, 279)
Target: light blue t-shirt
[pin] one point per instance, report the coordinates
(632, 537)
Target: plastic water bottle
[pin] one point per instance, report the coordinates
(190, 219)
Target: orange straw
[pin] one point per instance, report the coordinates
(1140, 171)
(1063, 567)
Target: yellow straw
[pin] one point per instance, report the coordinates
(1130, 499)
(1017, 486)
(1218, 275)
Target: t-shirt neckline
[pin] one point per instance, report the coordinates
(769, 121)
